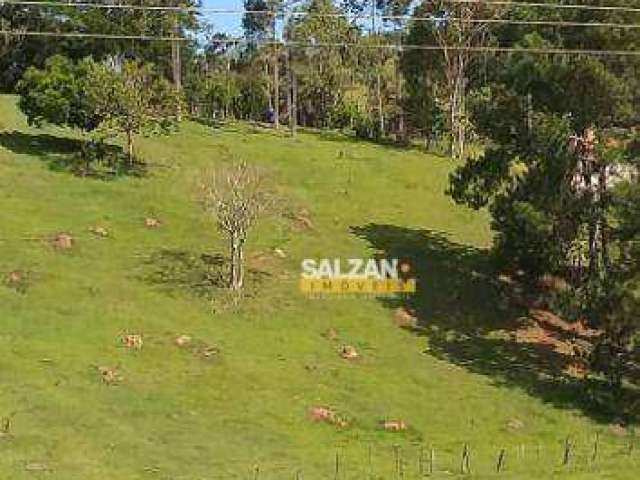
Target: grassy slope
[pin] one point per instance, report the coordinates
(180, 417)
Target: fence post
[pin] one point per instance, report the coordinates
(596, 446)
(500, 463)
(396, 454)
(465, 464)
(567, 452)
(432, 460)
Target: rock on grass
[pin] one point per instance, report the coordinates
(349, 353)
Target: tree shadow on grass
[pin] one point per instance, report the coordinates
(198, 274)
(342, 137)
(39, 144)
(71, 155)
(469, 321)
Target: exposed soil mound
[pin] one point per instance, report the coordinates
(349, 353)
(99, 231)
(152, 222)
(404, 318)
(327, 415)
(62, 242)
(133, 341)
(393, 425)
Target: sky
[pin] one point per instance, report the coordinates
(225, 23)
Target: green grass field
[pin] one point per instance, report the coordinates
(245, 413)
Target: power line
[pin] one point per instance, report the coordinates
(507, 21)
(434, 19)
(116, 6)
(478, 49)
(564, 6)
(398, 18)
(296, 44)
(104, 36)
(503, 3)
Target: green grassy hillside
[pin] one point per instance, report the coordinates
(178, 414)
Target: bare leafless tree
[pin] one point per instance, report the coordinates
(235, 197)
(459, 29)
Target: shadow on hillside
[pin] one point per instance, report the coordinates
(200, 275)
(179, 270)
(238, 126)
(70, 155)
(342, 137)
(469, 321)
(39, 144)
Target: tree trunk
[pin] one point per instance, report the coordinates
(529, 112)
(236, 277)
(604, 227)
(380, 106)
(592, 225)
(240, 265)
(453, 98)
(177, 67)
(399, 99)
(130, 147)
(290, 93)
(459, 104)
(461, 127)
(266, 72)
(456, 83)
(294, 103)
(276, 89)
(234, 280)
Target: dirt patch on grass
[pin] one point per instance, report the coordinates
(331, 334)
(133, 341)
(198, 348)
(300, 220)
(393, 425)
(327, 415)
(405, 318)
(99, 231)
(152, 222)
(17, 280)
(109, 375)
(571, 341)
(61, 242)
(348, 352)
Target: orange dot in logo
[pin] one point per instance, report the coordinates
(405, 268)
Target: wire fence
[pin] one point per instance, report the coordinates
(593, 454)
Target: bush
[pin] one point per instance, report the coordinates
(367, 128)
(57, 94)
